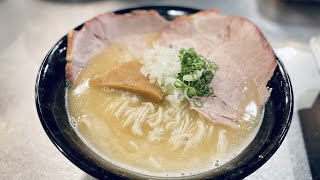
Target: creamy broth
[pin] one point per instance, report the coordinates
(100, 118)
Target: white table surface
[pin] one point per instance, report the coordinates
(29, 28)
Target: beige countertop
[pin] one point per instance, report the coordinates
(29, 28)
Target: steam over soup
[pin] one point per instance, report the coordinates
(163, 102)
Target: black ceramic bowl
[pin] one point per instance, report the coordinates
(50, 101)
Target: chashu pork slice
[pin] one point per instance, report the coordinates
(129, 29)
(240, 50)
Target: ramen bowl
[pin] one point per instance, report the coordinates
(50, 101)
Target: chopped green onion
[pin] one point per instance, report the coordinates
(187, 83)
(189, 60)
(178, 84)
(191, 91)
(197, 102)
(188, 77)
(196, 75)
(208, 75)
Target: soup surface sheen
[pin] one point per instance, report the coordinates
(153, 139)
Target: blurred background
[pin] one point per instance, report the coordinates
(30, 28)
